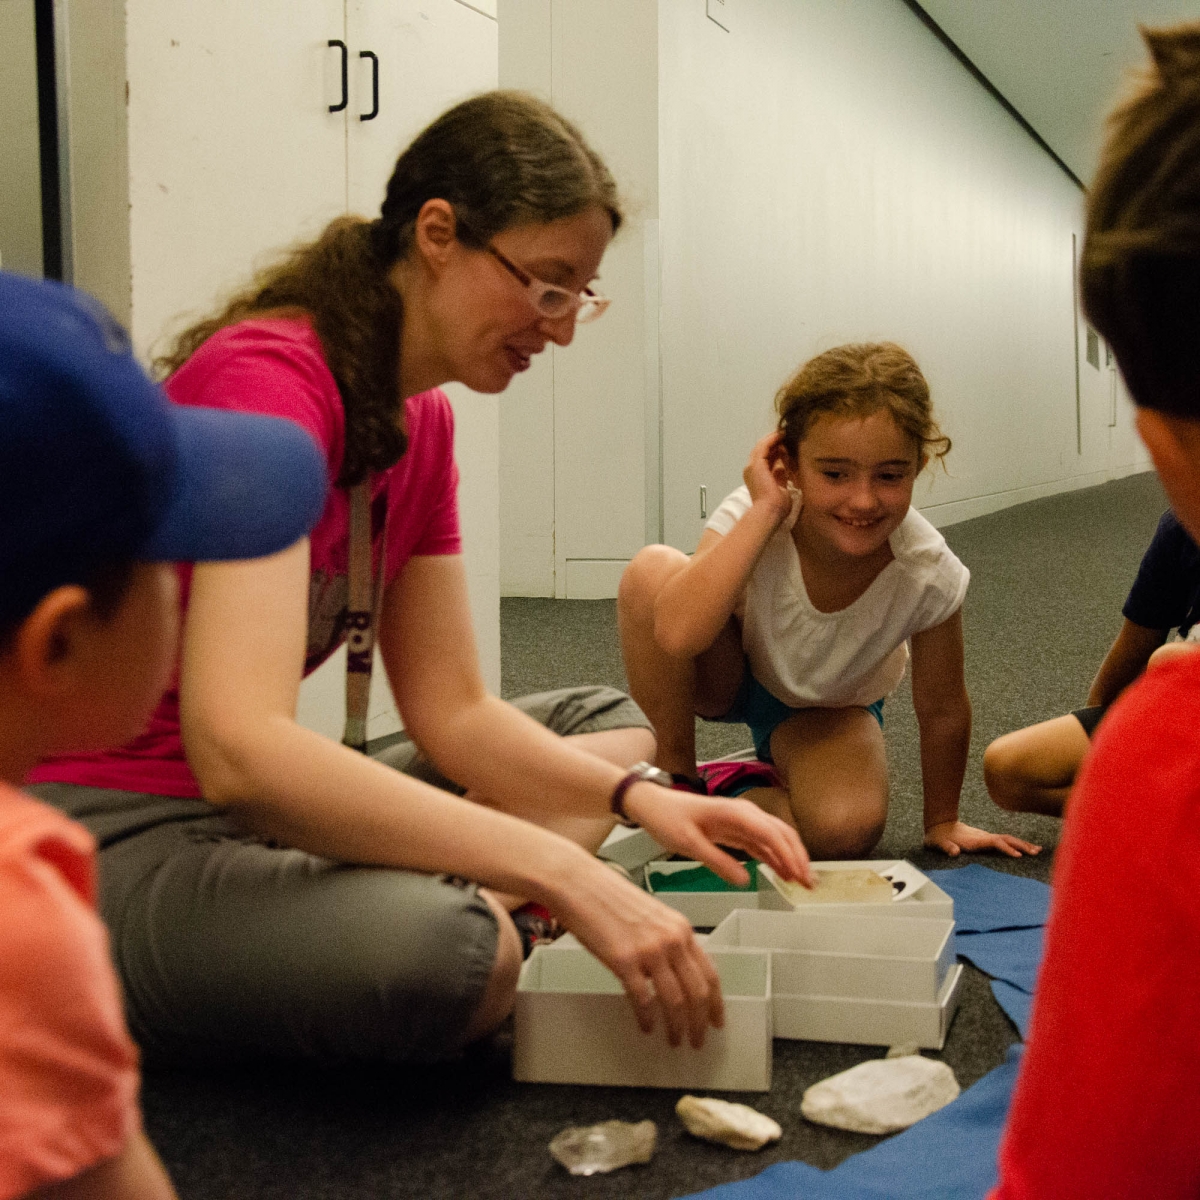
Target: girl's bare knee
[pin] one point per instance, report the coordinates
(1002, 774)
(500, 993)
(643, 579)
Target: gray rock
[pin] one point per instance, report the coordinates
(882, 1095)
(735, 1125)
(597, 1149)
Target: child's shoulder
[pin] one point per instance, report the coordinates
(31, 830)
(929, 563)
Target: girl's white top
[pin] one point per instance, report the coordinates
(856, 655)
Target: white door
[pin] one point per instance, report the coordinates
(428, 54)
(233, 151)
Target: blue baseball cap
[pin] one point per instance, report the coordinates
(98, 467)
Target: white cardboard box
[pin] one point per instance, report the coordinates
(926, 901)
(862, 979)
(574, 1024)
(630, 848)
(702, 909)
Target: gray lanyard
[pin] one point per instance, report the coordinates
(362, 615)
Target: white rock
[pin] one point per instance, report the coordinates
(734, 1125)
(882, 1095)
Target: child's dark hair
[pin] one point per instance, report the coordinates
(107, 584)
(500, 159)
(1140, 267)
(856, 381)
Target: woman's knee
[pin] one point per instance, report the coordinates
(643, 579)
(500, 992)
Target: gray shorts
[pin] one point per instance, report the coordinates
(229, 947)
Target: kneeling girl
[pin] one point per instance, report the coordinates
(796, 612)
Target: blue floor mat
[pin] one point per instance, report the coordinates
(1012, 955)
(1016, 1003)
(948, 1156)
(986, 900)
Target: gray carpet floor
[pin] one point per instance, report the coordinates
(1048, 580)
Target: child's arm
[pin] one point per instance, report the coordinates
(1125, 661)
(697, 602)
(944, 716)
(133, 1174)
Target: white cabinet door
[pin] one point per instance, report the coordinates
(233, 152)
(431, 54)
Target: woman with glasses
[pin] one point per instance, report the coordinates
(271, 891)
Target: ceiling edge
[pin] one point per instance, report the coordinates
(951, 45)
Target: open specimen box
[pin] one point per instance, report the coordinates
(916, 895)
(574, 1024)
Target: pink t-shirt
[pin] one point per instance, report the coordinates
(277, 367)
(68, 1070)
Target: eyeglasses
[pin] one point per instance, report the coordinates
(550, 301)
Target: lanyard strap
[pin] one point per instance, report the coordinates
(361, 610)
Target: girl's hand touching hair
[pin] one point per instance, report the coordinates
(766, 475)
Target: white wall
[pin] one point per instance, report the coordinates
(824, 172)
(830, 173)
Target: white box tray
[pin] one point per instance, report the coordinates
(867, 957)
(702, 909)
(869, 1022)
(927, 901)
(574, 1024)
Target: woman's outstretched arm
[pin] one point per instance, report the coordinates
(499, 753)
(243, 655)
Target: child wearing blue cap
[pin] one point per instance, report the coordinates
(103, 484)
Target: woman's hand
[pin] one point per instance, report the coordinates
(953, 837)
(694, 825)
(649, 947)
(766, 475)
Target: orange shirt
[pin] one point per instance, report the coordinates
(68, 1070)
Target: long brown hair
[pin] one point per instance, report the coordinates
(857, 380)
(500, 159)
(1140, 267)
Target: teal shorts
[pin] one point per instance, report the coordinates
(764, 713)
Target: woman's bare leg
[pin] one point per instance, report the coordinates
(833, 763)
(1034, 769)
(672, 691)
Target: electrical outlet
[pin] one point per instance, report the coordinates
(718, 10)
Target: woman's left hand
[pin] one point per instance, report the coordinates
(953, 837)
(699, 825)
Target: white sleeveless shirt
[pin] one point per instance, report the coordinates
(857, 655)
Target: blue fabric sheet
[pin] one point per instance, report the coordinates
(950, 1155)
(1016, 1004)
(986, 900)
(1013, 955)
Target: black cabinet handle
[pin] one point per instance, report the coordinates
(345, 74)
(374, 85)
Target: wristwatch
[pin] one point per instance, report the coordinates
(640, 772)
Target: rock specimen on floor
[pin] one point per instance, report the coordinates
(597, 1149)
(881, 1096)
(733, 1125)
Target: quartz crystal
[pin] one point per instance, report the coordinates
(733, 1125)
(596, 1149)
(882, 1095)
